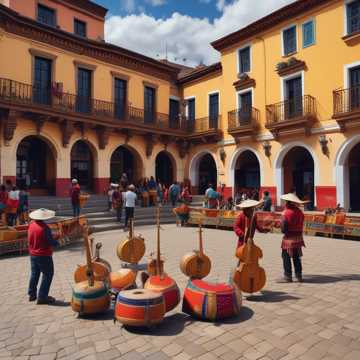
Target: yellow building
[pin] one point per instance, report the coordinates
(279, 112)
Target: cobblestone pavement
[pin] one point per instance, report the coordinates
(319, 319)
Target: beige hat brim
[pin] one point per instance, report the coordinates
(248, 204)
(42, 214)
(293, 198)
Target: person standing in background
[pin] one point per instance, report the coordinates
(267, 201)
(117, 201)
(75, 197)
(129, 198)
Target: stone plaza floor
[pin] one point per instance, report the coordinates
(318, 319)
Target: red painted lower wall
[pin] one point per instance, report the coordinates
(101, 185)
(11, 178)
(227, 191)
(62, 187)
(325, 197)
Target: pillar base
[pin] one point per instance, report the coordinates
(101, 185)
(62, 187)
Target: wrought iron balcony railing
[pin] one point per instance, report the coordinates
(243, 118)
(346, 100)
(290, 110)
(201, 125)
(15, 92)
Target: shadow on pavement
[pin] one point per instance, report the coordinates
(171, 325)
(61, 303)
(245, 314)
(271, 297)
(327, 279)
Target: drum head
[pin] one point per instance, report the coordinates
(139, 294)
(163, 281)
(212, 287)
(83, 286)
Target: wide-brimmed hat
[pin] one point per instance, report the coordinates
(247, 204)
(42, 214)
(114, 185)
(74, 181)
(131, 187)
(293, 198)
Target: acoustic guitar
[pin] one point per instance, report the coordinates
(196, 265)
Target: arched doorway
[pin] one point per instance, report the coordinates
(124, 160)
(82, 164)
(207, 173)
(353, 164)
(247, 172)
(298, 173)
(164, 169)
(35, 166)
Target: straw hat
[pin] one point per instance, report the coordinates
(42, 214)
(114, 185)
(131, 187)
(293, 198)
(74, 181)
(247, 204)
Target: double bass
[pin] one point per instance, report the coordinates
(132, 249)
(196, 265)
(155, 265)
(249, 277)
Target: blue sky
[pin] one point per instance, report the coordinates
(193, 8)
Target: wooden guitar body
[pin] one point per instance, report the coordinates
(101, 272)
(250, 278)
(155, 267)
(131, 250)
(195, 265)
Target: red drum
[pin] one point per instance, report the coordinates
(168, 287)
(211, 302)
(122, 279)
(139, 307)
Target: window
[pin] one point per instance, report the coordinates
(244, 60)
(46, 15)
(353, 17)
(149, 101)
(42, 81)
(120, 98)
(245, 107)
(174, 111)
(191, 114)
(84, 90)
(80, 28)
(289, 41)
(308, 33)
(213, 110)
(294, 100)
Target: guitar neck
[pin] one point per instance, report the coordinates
(90, 273)
(201, 248)
(158, 255)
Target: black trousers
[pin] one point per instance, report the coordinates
(287, 263)
(129, 214)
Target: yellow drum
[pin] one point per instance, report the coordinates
(90, 299)
(122, 279)
(101, 272)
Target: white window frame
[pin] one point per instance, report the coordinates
(346, 2)
(282, 39)
(208, 101)
(290, 77)
(244, 91)
(347, 68)
(302, 32)
(238, 57)
(187, 105)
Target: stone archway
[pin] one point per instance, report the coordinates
(203, 171)
(165, 168)
(82, 164)
(36, 165)
(125, 160)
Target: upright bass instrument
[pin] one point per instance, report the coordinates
(132, 249)
(155, 265)
(249, 277)
(196, 265)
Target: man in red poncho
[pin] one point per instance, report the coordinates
(292, 223)
(41, 245)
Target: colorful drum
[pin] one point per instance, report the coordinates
(168, 287)
(90, 299)
(139, 307)
(211, 302)
(122, 279)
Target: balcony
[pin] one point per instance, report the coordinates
(204, 129)
(291, 116)
(243, 122)
(347, 107)
(55, 105)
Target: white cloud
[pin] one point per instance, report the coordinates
(185, 36)
(156, 2)
(220, 4)
(128, 5)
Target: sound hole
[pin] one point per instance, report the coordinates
(138, 292)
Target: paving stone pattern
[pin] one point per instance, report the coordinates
(319, 319)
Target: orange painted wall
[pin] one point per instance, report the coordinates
(64, 16)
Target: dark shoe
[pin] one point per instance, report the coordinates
(299, 279)
(32, 297)
(285, 279)
(46, 301)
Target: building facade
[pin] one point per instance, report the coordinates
(279, 112)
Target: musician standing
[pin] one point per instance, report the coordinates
(41, 245)
(242, 222)
(129, 198)
(292, 223)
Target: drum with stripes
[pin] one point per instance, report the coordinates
(139, 307)
(168, 287)
(122, 279)
(90, 299)
(211, 302)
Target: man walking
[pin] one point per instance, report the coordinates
(292, 223)
(41, 245)
(129, 199)
(75, 197)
